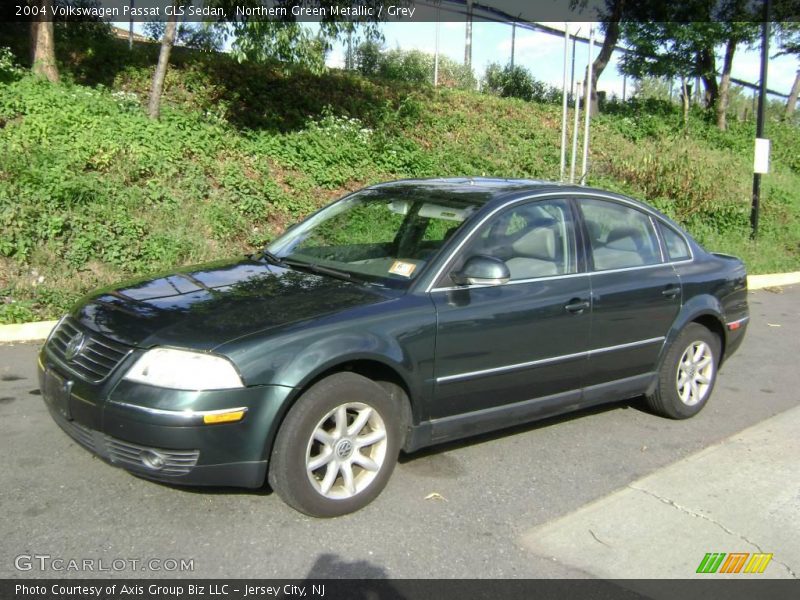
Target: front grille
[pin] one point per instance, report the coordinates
(127, 455)
(98, 355)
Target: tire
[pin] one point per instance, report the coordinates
(320, 463)
(687, 375)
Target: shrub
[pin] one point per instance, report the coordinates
(518, 82)
(412, 66)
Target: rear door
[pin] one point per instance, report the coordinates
(636, 295)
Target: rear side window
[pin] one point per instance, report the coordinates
(621, 237)
(677, 248)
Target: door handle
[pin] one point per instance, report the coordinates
(671, 291)
(577, 306)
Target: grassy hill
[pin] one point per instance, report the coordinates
(92, 191)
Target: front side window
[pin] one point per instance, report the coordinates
(376, 235)
(620, 237)
(536, 239)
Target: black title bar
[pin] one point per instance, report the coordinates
(393, 10)
(402, 589)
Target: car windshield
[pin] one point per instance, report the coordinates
(383, 236)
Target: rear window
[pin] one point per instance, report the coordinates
(677, 248)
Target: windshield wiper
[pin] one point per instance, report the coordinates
(346, 276)
(273, 258)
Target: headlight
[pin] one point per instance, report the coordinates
(184, 370)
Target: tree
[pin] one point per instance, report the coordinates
(789, 43)
(680, 40)
(737, 25)
(610, 18)
(285, 40)
(664, 49)
(207, 37)
(43, 50)
(734, 33)
(368, 57)
(157, 88)
(611, 29)
(687, 50)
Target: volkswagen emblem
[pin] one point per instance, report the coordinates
(74, 346)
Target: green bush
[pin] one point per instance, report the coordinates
(412, 66)
(518, 82)
(92, 191)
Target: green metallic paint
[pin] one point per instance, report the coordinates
(284, 328)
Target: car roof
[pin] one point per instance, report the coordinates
(493, 191)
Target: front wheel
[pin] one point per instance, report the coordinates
(337, 447)
(687, 375)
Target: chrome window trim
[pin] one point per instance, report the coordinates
(544, 361)
(565, 195)
(567, 276)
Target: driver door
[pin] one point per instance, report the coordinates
(524, 340)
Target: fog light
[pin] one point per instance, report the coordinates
(152, 460)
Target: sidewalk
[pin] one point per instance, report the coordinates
(742, 495)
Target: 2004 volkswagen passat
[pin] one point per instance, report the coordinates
(403, 315)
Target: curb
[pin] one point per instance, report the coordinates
(31, 332)
(759, 282)
(26, 332)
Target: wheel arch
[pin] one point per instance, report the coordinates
(376, 369)
(704, 310)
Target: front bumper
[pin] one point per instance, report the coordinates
(128, 425)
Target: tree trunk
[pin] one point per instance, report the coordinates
(791, 103)
(43, 48)
(725, 85)
(602, 59)
(168, 39)
(708, 69)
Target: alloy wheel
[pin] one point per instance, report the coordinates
(695, 373)
(346, 451)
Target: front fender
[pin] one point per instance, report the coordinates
(329, 354)
(326, 354)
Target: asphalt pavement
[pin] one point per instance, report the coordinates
(517, 503)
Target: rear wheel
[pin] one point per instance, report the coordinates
(337, 446)
(688, 373)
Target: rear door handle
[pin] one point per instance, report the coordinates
(671, 291)
(577, 306)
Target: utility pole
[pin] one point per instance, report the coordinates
(587, 99)
(577, 110)
(761, 145)
(572, 75)
(348, 61)
(513, 41)
(468, 40)
(564, 107)
(130, 29)
(436, 51)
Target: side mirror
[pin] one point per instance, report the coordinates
(482, 270)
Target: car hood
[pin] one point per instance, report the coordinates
(204, 306)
